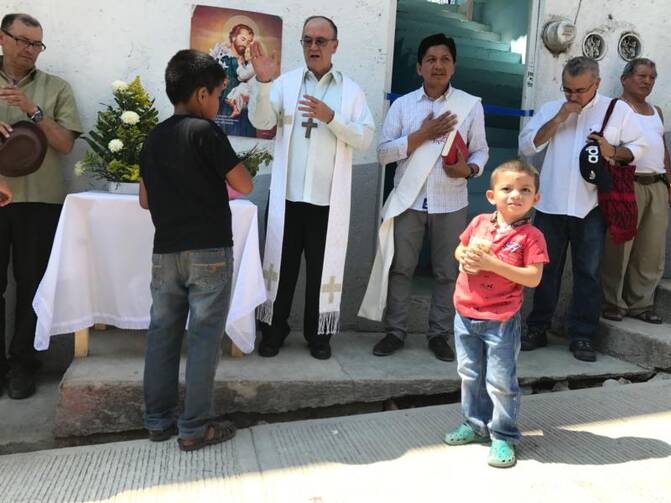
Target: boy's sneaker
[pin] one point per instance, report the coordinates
(463, 435)
(534, 338)
(501, 454)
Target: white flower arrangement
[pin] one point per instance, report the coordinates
(119, 85)
(129, 117)
(118, 135)
(115, 145)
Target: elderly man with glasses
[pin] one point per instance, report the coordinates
(321, 117)
(568, 212)
(28, 223)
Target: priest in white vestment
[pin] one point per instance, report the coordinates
(321, 117)
(429, 194)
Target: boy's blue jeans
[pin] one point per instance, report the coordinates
(197, 284)
(487, 364)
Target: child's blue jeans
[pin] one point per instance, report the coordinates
(487, 364)
(196, 284)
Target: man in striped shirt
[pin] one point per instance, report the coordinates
(441, 205)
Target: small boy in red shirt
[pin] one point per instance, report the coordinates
(499, 255)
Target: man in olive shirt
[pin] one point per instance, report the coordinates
(28, 224)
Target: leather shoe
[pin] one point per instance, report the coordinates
(268, 350)
(321, 352)
(583, 350)
(534, 339)
(21, 384)
(388, 345)
(441, 349)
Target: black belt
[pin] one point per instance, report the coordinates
(650, 179)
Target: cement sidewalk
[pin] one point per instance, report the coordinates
(595, 445)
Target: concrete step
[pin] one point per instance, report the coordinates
(637, 342)
(663, 298)
(490, 85)
(495, 67)
(437, 25)
(103, 392)
(429, 8)
(446, 18)
(481, 53)
(410, 42)
(484, 44)
(28, 424)
(594, 445)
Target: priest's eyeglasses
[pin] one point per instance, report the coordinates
(321, 42)
(24, 43)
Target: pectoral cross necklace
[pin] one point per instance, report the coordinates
(310, 124)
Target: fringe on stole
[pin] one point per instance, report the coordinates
(264, 312)
(329, 323)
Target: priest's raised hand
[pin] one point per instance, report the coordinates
(266, 68)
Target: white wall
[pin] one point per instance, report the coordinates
(91, 43)
(650, 19)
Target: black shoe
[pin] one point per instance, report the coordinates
(21, 384)
(583, 350)
(441, 349)
(268, 350)
(533, 339)
(321, 352)
(162, 435)
(388, 345)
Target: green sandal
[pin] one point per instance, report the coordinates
(501, 454)
(464, 435)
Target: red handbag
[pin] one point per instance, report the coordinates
(618, 204)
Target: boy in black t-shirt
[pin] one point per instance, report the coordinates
(185, 164)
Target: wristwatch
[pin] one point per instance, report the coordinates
(37, 116)
(474, 171)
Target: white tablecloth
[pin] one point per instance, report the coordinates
(100, 269)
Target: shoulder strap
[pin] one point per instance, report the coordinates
(661, 115)
(609, 112)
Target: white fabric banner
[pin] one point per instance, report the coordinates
(100, 269)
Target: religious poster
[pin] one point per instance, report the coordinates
(226, 35)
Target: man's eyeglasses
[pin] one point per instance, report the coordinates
(307, 42)
(25, 43)
(566, 90)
